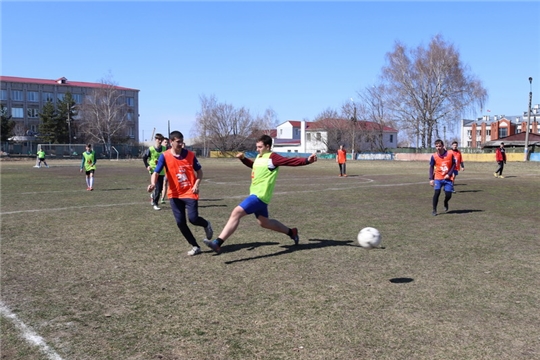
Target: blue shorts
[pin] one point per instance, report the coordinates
(455, 172)
(253, 205)
(448, 185)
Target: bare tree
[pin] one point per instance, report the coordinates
(430, 87)
(103, 115)
(226, 128)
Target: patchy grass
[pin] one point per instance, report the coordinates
(100, 275)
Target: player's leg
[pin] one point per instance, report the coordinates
(178, 207)
(448, 190)
(192, 207)
(91, 180)
(157, 189)
(436, 193)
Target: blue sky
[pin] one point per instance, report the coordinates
(298, 58)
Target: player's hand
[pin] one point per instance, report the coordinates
(151, 188)
(312, 158)
(431, 182)
(80, 170)
(195, 189)
(240, 155)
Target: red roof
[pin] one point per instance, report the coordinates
(61, 81)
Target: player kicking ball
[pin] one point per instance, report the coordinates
(265, 169)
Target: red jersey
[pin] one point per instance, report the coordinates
(441, 165)
(181, 175)
(459, 159)
(341, 156)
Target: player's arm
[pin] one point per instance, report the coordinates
(198, 170)
(246, 161)
(431, 171)
(145, 159)
(82, 162)
(278, 160)
(153, 178)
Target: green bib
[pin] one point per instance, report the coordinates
(262, 179)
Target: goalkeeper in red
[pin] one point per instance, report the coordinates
(265, 169)
(441, 174)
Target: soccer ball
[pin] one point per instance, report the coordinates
(369, 238)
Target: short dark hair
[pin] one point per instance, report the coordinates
(455, 142)
(89, 145)
(159, 137)
(502, 143)
(176, 135)
(439, 141)
(265, 139)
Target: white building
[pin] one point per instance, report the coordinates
(312, 137)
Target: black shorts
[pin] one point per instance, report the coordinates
(90, 172)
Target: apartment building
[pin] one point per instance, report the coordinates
(24, 99)
(475, 133)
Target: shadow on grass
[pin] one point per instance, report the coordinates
(118, 189)
(403, 280)
(317, 244)
(469, 191)
(209, 206)
(200, 199)
(462, 211)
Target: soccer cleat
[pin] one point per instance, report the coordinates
(209, 231)
(156, 207)
(345, 175)
(295, 236)
(446, 209)
(434, 213)
(213, 244)
(501, 177)
(495, 174)
(163, 201)
(194, 251)
(91, 188)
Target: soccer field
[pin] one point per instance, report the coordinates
(101, 275)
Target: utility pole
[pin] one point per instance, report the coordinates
(528, 123)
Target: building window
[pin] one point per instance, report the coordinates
(77, 98)
(488, 132)
(391, 138)
(16, 95)
(17, 112)
(32, 96)
(48, 96)
(3, 95)
(469, 143)
(503, 132)
(129, 116)
(60, 97)
(318, 136)
(130, 132)
(130, 101)
(308, 136)
(479, 144)
(32, 113)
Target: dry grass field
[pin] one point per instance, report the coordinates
(101, 275)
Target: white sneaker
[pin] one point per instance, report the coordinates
(208, 231)
(194, 251)
(156, 207)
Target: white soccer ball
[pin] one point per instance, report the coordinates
(369, 238)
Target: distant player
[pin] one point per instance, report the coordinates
(265, 169)
(441, 175)
(89, 166)
(500, 157)
(184, 173)
(460, 165)
(341, 159)
(150, 158)
(41, 158)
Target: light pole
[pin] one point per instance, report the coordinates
(69, 130)
(528, 123)
(353, 119)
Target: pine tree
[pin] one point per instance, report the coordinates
(48, 124)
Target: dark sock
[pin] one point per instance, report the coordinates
(290, 233)
(219, 241)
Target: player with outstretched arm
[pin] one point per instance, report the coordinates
(265, 169)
